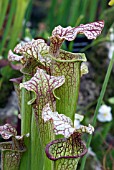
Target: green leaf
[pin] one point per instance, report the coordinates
(8, 73)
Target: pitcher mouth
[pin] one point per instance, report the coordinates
(82, 148)
(66, 56)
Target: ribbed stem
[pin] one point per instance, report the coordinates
(68, 93)
(26, 113)
(37, 153)
(45, 136)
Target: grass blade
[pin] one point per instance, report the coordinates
(51, 15)
(64, 13)
(18, 22)
(93, 10)
(4, 5)
(74, 12)
(7, 28)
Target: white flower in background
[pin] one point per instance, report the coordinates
(1, 57)
(28, 24)
(111, 51)
(111, 44)
(84, 69)
(77, 120)
(90, 152)
(27, 39)
(105, 114)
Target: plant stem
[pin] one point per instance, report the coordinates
(98, 106)
(68, 92)
(37, 159)
(26, 112)
(43, 135)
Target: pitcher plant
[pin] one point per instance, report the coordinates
(48, 93)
